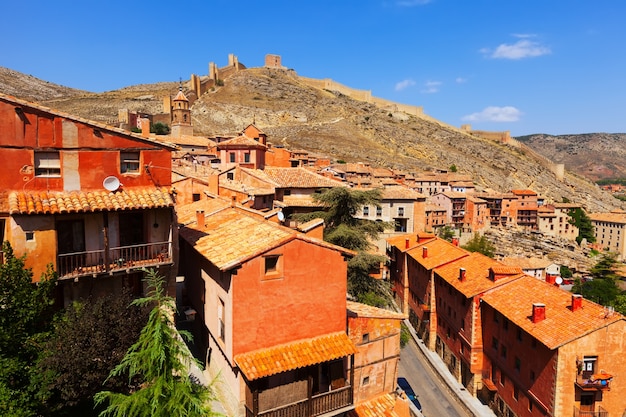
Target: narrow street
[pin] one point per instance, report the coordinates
(431, 392)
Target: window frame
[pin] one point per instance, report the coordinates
(130, 162)
(47, 164)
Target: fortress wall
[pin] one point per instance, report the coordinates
(502, 137)
(313, 82)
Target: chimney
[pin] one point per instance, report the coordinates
(233, 201)
(145, 127)
(539, 312)
(424, 252)
(406, 243)
(577, 301)
(462, 274)
(200, 218)
(417, 238)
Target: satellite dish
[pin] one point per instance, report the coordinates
(559, 280)
(111, 183)
(281, 216)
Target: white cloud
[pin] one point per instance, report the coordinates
(412, 3)
(523, 48)
(494, 114)
(431, 87)
(404, 84)
(460, 80)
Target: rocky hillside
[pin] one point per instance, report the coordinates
(594, 155)
(328, 123)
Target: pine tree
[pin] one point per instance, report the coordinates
(158, 366)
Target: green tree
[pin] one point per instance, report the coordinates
(479, 243)
(446, 233)
(159, 128)
(88, 341)
(26, 312)
(158, 367)
(579, 218)
(603, 288)
(343, 228)
(453, 168)
(565, 272)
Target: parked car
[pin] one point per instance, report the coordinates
(404, 385)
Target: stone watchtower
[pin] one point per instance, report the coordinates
(181, 115)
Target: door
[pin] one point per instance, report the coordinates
(70, 242)
(587, 405)
(131, 229)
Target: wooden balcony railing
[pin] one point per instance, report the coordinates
(73, 265)
(601, 412)
(318, 405)
(594, 382)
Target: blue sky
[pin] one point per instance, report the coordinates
(527, 66)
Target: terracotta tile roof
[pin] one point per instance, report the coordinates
(608, 217)
(289, 356)
(561, 325)
(454, 195)
(439, 252)
(190, 140)
(399, 192)
(363, 310)
(180, 96)
(59, 202)
(434, 207)
(232, 235)
(381, 406)
(567, 205)
(523, 192)
(298, 178)
(414, 239)
(298, 201)
(240, 141)
(477, 278)
(501, 269)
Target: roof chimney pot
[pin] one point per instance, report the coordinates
(406, 243)
(539, 312)
(462, 274)
(577, 301)
(200, 219)
(424, 252)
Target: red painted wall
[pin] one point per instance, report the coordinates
(311, 290)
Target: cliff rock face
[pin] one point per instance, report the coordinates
(328, 123)
(594, 155)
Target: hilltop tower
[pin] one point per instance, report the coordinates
(181, 115)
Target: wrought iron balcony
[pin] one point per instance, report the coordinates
(77, 264)
(601, 412)
(319, 404)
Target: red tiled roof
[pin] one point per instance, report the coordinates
(58, 202)
(612, 217)
(439, 252)
(523, 192)
(381, 406)
(240, 141)
(400, 241)
(400, 192)
(561, 325)
(477, 278)
(289, 356)
(364, 310)
(298, 178)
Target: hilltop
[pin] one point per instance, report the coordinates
(324, 122)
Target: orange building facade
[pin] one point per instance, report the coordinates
(263, 291)
(81, 196)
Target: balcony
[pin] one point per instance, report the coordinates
(122, 258)
(594, 382)
(318, 405)
(601, 412)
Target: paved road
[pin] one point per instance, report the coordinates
(433, 394)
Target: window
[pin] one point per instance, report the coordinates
(496, 317)
(516, 393)
(532, 376)
(231, 155)
(366, 380)
(271, 264)
(129, 162)
(365, 338)
(196, 196)
(505, 324)
(494, 344)
(366, 211)
(287, 192)
(379, 211)
(400, 211)
(221, 331)
(246, 157)
(518, 364)
(30, 236)
(519, 335)
(502, 378)
(503, 351)
(47, 164)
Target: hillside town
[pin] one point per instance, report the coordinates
(266, 298)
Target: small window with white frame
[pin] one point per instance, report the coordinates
(47, 164)
(129, 162)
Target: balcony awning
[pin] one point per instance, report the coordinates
(59, 202)
(299, 354)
